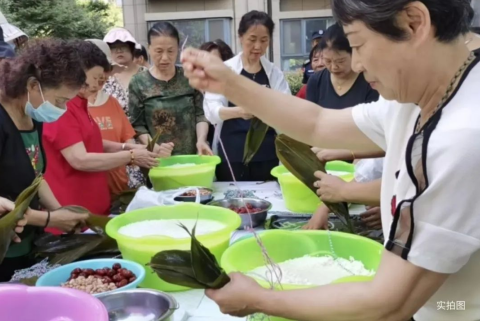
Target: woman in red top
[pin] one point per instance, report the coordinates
(317, 65)
(78, 157)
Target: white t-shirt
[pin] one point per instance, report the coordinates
(447, 214)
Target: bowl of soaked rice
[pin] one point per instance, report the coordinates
(143, 233)
(181, 171)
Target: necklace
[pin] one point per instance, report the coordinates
(450, 88)
(339, 85)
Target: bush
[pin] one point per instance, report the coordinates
(294, 79)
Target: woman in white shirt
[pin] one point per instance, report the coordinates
(233, 123)
(414, 54)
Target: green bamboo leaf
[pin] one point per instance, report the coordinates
(196, 268)
(175, 267)
(68, 248)
(299, 159)
(9, 221)
(255, 137)
(204, 264)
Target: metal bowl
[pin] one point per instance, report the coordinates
(148, 305)
(258, 219)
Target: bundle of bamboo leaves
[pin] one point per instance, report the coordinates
(255, 137)
(299, 159)
(9, 221)
(67, 248)
(197, 268)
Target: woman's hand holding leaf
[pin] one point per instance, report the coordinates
(67, 220)
(7, 206)
(236, 298)
(144, 158)
(330, 188)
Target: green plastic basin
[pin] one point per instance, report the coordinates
(298, 197)
(141, 250)
(165, 178)
(245, 255)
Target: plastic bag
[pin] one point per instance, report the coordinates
(145, 197)
(367, 170)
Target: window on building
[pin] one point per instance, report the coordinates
(201, 30)
(476, 7)
(296, 39)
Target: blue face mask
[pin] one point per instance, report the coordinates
(45, 113)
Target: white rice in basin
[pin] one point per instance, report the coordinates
(310, 270)
(170, 228)
(334, 173)
(181, 165)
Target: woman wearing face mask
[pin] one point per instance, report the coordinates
(161, 98)
(255, 31)
(78, 157)
(122, 44)
(34, 89)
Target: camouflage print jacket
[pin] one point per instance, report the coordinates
(173, 107)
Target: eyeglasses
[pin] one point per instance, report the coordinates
(119, 49)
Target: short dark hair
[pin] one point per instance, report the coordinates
(224, 49)
(90, 55)
(335, 39)
(52, 62)
(314, 51)
(449, 17)
(141, 53)
(163, 28)
(255, 18)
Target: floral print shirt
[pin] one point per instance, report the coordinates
(114, 88)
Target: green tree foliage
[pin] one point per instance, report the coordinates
(294, 79)
(64, 19)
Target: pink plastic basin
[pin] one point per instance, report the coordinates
(23, 303)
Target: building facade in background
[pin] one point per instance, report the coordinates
(205, 20)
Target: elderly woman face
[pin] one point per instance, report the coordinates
(393, 68)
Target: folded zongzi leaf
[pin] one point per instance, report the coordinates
(9, 221)
(176, 267)
(150, 147)
(68, 248)
(196, 268)
(255, 136)
(303, 163)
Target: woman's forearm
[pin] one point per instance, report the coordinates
(362, 193)
(111, 147)
(47, 199)
(37, 218)
(202, 131)
(99, 162)
(144, 138)
(227, 113)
